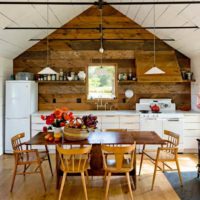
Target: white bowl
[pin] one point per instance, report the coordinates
(69, 78)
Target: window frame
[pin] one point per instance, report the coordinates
(116, 81)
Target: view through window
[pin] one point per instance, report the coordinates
(101, 81)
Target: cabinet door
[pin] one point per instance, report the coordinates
(110, 119)
(190, 144)
(152, 125)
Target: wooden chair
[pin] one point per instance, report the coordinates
(26, 158)
(74, 161)
(164, 154)
(119, 164)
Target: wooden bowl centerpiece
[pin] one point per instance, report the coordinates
(75, 134)
(78, 129)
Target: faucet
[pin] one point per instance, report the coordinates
(100, 104)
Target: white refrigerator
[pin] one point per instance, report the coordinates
(21, 102)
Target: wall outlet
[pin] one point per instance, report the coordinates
(78, 100)
(54, 100)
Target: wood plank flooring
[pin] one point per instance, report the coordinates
(31, 188)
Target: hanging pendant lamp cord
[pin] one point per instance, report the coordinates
(154, 37)
(101, 22)
(47, 34)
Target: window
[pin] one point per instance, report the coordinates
(101, 81)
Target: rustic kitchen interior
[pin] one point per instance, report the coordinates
(100, 98)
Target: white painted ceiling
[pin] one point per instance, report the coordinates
(14, 42)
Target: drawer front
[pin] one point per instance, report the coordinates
(110, 119)
(37, 120)
(192, 118)
(190, 142)
(109, 126)
(128, 119)
(192, 133)
(132, 126)
(191, 125)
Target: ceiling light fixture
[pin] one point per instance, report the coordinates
(101, 49)
(154, 69)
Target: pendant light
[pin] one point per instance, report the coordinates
(101, 71)
(101, 49)
(47, 69)
(154, 69)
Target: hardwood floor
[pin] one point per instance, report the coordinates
(31, 188)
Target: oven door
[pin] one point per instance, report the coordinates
(175, 125)
(152, 124)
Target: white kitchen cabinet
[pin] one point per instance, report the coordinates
(130, 122)
(191, 132)
(109, 122)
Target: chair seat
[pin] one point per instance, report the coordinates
(76, 168)
(164, 155)
(31, 157)
(126, 166)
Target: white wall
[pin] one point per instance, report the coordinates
(6, 69)
(195, 66)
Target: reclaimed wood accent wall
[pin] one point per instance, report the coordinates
(75, 55)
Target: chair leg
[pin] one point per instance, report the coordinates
(154, 174)
(13, 179)
(42, 176)
(87, 176)
(141, 161)
(105, 175)
(62, 185)
(107, 185)
(129, 184)
(179, 172)
(84, 185)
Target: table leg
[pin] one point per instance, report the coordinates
(96, 160)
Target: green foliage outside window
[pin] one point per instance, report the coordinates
(101, 82)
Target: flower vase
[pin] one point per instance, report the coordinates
(57, 132)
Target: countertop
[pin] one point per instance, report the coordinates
(113, 112)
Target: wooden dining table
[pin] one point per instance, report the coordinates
(96, 139)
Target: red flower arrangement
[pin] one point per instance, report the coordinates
(62, 117)
(58, 118)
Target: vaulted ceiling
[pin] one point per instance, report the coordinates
(14, 42)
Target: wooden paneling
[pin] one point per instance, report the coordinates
(129, 55)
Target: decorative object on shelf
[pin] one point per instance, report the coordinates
(129, 93)
(122, 77)
(27, 76)
(75, 128)
(187, 75)
(81, 75)
(154, 69)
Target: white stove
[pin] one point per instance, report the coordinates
(165, 105)
(166, 119)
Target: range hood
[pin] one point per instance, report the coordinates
(167, 68)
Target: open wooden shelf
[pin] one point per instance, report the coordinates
(63, 82)
(136, 81)
(127, 81)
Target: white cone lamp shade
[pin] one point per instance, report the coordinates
(154, 70)
(47, 70)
